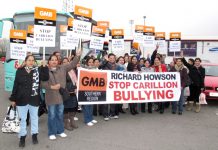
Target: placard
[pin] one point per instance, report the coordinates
(72, 39)
(44, 27)
(148, 36)
(30, 40)
(97, 38)
(175, 42)
(82, 22)
(138, 36)
(18, 44)
(117, 41)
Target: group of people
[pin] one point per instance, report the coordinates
(60, 73)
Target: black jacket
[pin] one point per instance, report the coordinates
(108, 66)
(22, 89)
(196, 75)
(130, 67)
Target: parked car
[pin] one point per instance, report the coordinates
(211, 81)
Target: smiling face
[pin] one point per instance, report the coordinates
(65, 61)
(53, 62)
(121, 61)
(134, 60)
(96, 63)
(112, 59)
(30, 61)
(141, 62)
(197, 62)
(147, 64)
(157, 61)
(90, 63)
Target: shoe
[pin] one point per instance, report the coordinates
(150, 111)
(94, 121)
(63, 135)
(143, 111)
(161, 111)
(90, 124)
(106, 118)
(189, 105)
(114, 117)
(180, 113)
(133, 113)
(22, 141)
(173, 112)
(198, 108)
(122, 111)
(34, 139)
(52, 137)
(136, 112)
(76, 119)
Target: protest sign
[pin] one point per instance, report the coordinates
(82, 22)
(30, 40)
(160, 40)
(117, 41)
(63, 37)
(113, 87)
(97, 38)
(149, 36)
(138, 36)
(44, 27)
(175, 42)
(18, 44)
(72, 39)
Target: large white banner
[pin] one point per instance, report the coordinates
(113, 87)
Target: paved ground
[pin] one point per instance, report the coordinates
(190, 131)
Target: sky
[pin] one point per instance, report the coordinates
(191, 17)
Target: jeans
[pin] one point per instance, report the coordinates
(55, 119)
(179, 103)
(88, 113)
(33, 111)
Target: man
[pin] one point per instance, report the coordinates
(110, 64)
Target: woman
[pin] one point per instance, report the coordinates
(53, 98)
(88, 109)
(133, 66)
(26, 95)
(197, 75)
(147, 68)
(96, 107)
(70, 105)
(121, 67)
(179, 67)
(158, 67)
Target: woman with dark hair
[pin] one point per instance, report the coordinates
(53, 98)
(133, 66)
(197, 75)
(88, 109)
(147, 68)
(159, 67)
(70, 105)
(26, 95)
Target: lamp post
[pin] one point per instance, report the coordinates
(144, 17)
(131, 22)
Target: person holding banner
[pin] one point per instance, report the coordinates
(147, 68)
(96, 107)
(159, 67)
(70, 105)
(110, 64)
(26, 95)
(88, 109)
(121, 67)
(179, 67)
(53, 98)
(133, 66)
(197, 75)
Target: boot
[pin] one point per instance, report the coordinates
(72, 121)
(34, 139)
(198, 108)
(189, 105)
(22, 141)
(67, 122)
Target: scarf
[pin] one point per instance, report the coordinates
(178, 68)
(73, 77)
(35, 83)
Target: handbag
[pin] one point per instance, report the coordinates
(11, 123)
(202, 99)
(186, 91)
(63, 91)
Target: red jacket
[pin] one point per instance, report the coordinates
(163, 67)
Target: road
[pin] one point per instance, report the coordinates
(191, 131)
